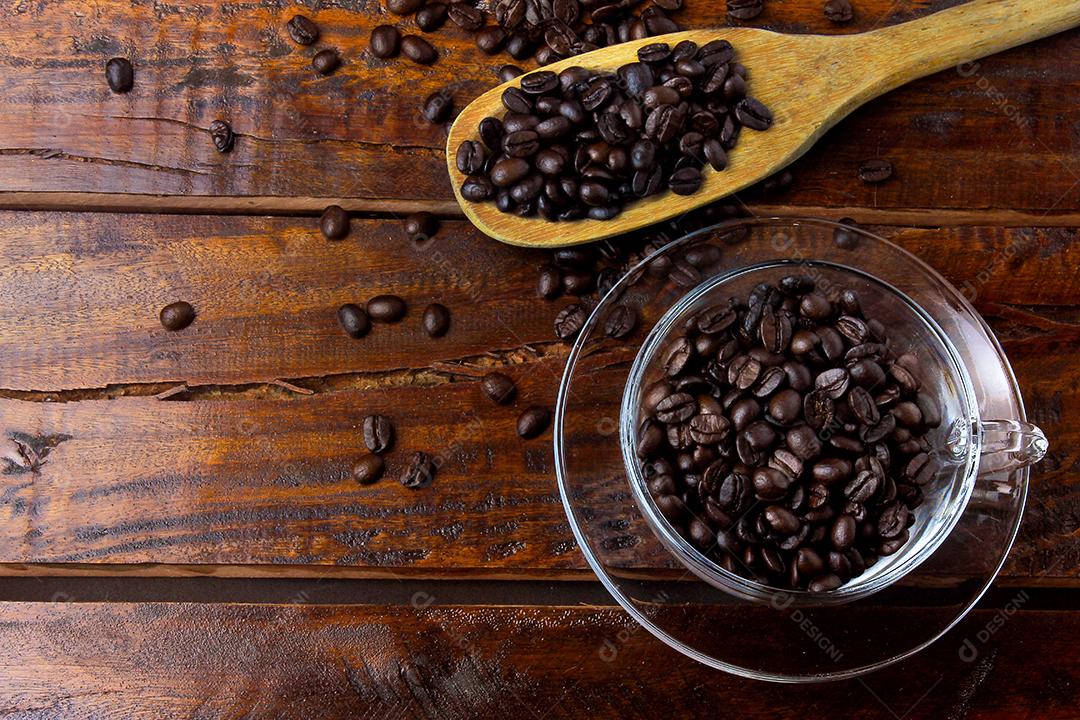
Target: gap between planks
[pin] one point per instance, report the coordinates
(274, 205)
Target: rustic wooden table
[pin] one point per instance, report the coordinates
(204, 552)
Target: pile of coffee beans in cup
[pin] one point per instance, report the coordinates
(783, 437)
(582, 143)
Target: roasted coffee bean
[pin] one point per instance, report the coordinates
(385, 41)
(303, 30)
(745, 9)
(420, 471)
(686, 181)
(498, 388)
(753, 114)
(533, 421)
(620, 322)
(438, 106)
(419, 50)
(676, 408)
(569, 321)
(863, 406)
(378, 433)
(436, 320)
(334, 223)
(654, 53)
(506, 73)
(549, 285)
(368, 469)
(466, 16)
(326, 61)
(833, 383)
(386, 308)
(120, 75)
(222, 135)
(176, 316)
(477, 188)
(432, 16)
(354, 321)
(845, 237)
(839, 11)
(875, 171)
(491, 40)
(539, 82)
(420, 225)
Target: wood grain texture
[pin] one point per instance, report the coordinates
(808, 82)
(156, 660)
(80, 293)
(959, 139)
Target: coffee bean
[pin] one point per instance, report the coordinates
(620, 322)
(839, 11)
(436, 320)
(378, 433)
(334, 223)
(875, 171)
(420, 472)
(326, 61)
(437, 107)
(498, 388)
(491, 40)
(120, 75)
(753, 114)
(386, 308)
(368, 469)
(844, 237)
(432, 16)
(222, 135)
(385, 41)
(303, 30)
(466, 16)
(419, 50)
(176, 316)
(420, 225)
(354, 321)
(533, 421)
(506, 73)
(686, 181)
(745, 9)
(569, 321)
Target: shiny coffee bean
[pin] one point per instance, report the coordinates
(120, 75)
(386, 308)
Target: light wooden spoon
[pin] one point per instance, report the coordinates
(810, 82)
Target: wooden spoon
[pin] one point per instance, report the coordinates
(810, 82)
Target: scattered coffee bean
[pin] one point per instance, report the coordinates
(506, 73)
(368, 469)
(438, 106)
(498, 388)
(326, 61)
(620, 322)
(845, 237)
(436, 320)
(303, 30)
(420, 471)
(549, 286)
(378, 433)
(419, 50)
(745, 9)
(223, 136)
(177, 316)
(790, 432)
(533, 421)
(120, 75)
(403, 7)
(490, 40)
(334, 223)
(432, 16)
(386, 308)
(385, 41)
(583, 144)
(569, 321)
(354, 321)
(875, 171)
(839, 11)
(420, 225)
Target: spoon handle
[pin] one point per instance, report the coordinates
(959, 36)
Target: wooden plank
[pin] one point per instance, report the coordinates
(260, 484)
(959, 139)
(80, 293)
(155, 660)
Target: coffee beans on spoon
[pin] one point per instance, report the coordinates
(583, 144)
(783, 437)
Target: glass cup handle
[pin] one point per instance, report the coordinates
(1009, 445)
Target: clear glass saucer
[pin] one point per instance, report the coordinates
(759, 632)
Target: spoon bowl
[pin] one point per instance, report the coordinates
(809, 82)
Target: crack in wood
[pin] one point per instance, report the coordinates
(53, 153)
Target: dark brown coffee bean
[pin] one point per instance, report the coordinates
(863, 406)
(843, 532)
(875, 171)
(654, 53)
(676, 408)
(120, 75)
(420, 471)
(833, 383)
(498, 388)
(378, 433)
(845, 237)
(818, 409)
(437, 107)
(419, 50)
(569, 321)
(436, 320)
(420, 225)
(533, 421)
(620, 322)
(839, 11)
(770, 484)
(354, 321)
(386, 308)
(477, 188)
(222, 135)
(893, 520)
(176, 316)
(334, 223)
(303, 30)
(432, 16)
(326, 61)
(466, 16)
(745, 9)
(686, 181)
(368, 469)
(385, 41)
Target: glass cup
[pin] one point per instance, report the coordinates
(962, 531)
